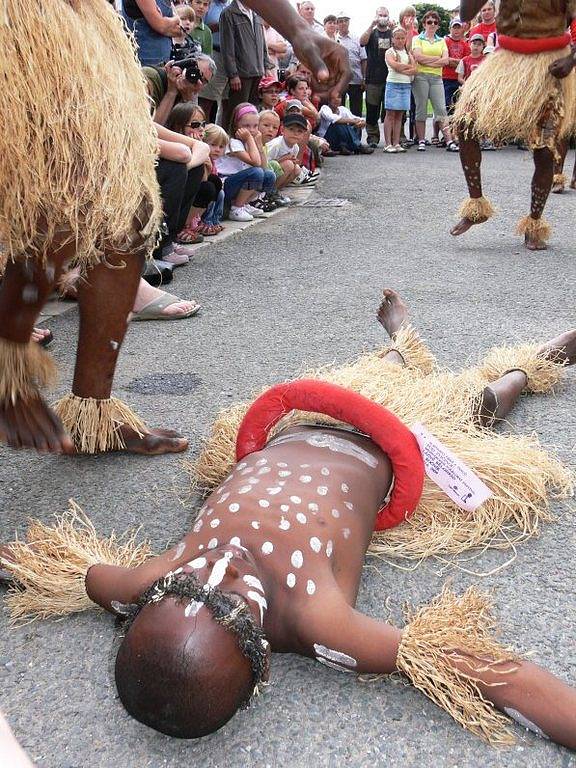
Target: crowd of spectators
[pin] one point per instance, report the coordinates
(239, 124)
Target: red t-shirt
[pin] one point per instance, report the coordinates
(483, 29)
(457, 49)
(471, 63)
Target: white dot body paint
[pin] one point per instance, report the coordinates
(315, 544)
(304, 466)
(219, 570)
(201, 547)
(197, 525)
(284, 507)
(297, 559)
(295, 499)
(346, 533)
(281, 464)
(339, 445)
(313, 507)
(273, 491)
(245, 489)
(114, 344)
(349, 505)
(223, 498)
(322, 652)
(301, 518)
(263, 471)
(284, 473)
(322, 490)
(253, 582)
(234, 507)
(192, 608)
(284, 524)
(212, 543)
(253, 480)
(345, 487)
(263, 503)
(524, 722)
(242, 465)
(329, 548)
(261, 601)
(335, 513)
(310, 587)
(198, 562)
(291, 580)
(267, 548)
(214, 523)
(235, 541)
(325, 471)
(247, 471)
(255, 524)
(305, 479)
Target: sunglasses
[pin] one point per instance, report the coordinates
(432, 21)
(196, 124)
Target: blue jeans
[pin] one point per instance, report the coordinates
(450, 89)
(255, 178)
(213, 214)
(339, 136)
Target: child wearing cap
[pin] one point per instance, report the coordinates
(458, 48)
(471, 62)
(269, 92)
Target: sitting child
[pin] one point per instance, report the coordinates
(217, 139)
(339, 127)
(269, 91)
(243, 167)
(283, 163)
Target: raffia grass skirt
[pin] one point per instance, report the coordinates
(77, 143)
(522, 476)
(514, 96)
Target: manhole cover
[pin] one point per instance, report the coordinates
(325, 202)
(165, 383)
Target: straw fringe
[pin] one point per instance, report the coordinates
(24, 368)
(78, 148)
(457, 629)
(476, 209)
(94, 425)
(543, 374)
(521, 475)
(560, 178)
(414, 352)
(538, 227)
(516, 97)
(49, 568)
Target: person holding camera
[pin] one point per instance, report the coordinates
(177, 81)
(377, 40)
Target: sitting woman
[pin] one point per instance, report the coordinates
(340, 128)
(190, 120)
(297, 88)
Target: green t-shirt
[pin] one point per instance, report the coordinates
(203, 35)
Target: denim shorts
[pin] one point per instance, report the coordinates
(397, 96)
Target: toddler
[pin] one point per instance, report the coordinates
(217, 139)
(283, 163)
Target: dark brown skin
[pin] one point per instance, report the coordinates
(295, 619)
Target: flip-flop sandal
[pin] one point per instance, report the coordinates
(154, 310)
(189, 237)
(47, 340)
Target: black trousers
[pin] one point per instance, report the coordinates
(355, 95)
(178, 188)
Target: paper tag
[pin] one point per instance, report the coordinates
(449, 472)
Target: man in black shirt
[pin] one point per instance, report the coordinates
(377, 39)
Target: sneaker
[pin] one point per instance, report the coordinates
(390, 149)
(304, 179)
(372, 143)
(421, 146)
(400, 148)
(255, 212)
(175, 258)
(364, 149)
(239, 214)
(281, 200)
(315, 174)
(452, 147)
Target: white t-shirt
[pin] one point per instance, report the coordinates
(327, 117)
(229, 164)
(393, 76)
(277, 147)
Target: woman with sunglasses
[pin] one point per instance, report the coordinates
(190, 120)
(431, 54)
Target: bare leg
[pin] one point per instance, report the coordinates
(541, 185)
(559, 178)
(471, 159)
(392, 314)
(25, 288)
(105, 300)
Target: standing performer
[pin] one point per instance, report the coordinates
(275, 557)
(526, 90)
(77, 155)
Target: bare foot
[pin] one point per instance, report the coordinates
(42, 336)
(558, 188)
(534, 243)
(465, 224)
(154, 443)
(32, 424)
(392, 312)
(562, 349)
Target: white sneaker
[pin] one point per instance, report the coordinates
(399, 148)
(390, 149)
(177, 257)
(239, 214)
(303, 178)
(256, 213)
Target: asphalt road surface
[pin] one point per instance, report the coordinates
(299, 289)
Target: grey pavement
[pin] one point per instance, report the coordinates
(302, 288)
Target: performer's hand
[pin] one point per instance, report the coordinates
(327, 60)
(562, 67)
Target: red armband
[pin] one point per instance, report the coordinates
(385, 429)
